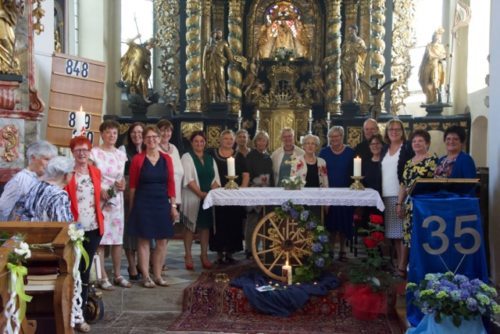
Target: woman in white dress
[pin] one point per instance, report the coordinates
(111, 162)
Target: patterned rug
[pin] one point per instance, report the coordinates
(211, 305)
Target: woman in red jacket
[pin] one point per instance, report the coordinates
(84, 190)
(152, 203)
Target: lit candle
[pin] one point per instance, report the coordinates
(239, 113)
(310, 113)
(286, 271)
(230, 167)
(257, 114)
(80, 122)
(357, 166)
(328, 116)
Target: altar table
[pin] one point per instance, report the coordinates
(307, 196)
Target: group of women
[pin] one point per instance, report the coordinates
(92, 188)
(396, 164)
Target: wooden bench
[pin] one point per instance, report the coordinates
(60, 299)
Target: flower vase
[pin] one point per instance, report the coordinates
(428, 324)
(365, 303)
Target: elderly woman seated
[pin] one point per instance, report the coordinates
(47, 200)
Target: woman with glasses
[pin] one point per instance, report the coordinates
(84, 190)
(394, 157)
(153, 205)
(111, 162)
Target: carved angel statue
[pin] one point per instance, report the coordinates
(432, 69)
(10, 10)
(136, 66)
(377, 92)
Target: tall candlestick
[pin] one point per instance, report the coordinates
(230, 167)
(357, 166)
(80, 122)
(310, 113)
(239, 113)
(328, 116)
(257, 114)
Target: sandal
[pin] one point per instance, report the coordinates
(105, 285)
(160, 281)
(121, 281)
(148, 283)
(135, 277)
(400, 273)
(82, 327)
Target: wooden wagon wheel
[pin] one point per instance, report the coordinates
(273, 238)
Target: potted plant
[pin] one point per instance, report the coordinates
(368, 284)
(452, 303)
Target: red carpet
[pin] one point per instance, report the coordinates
(217, 307)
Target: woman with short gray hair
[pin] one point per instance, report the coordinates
(47, 201)
(39, 153)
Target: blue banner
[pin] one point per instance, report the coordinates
(447, 235)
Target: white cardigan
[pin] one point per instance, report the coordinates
(191, 202)
(277, 156)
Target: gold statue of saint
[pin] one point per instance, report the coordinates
(283, 30)
(215, 58)
(9, 12)
(352, 64)
(136, 66)
(432, 69)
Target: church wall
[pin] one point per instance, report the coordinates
(494, 142)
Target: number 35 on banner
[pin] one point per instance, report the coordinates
(464, 238)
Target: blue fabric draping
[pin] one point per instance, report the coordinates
(281, 301)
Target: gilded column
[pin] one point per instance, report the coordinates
(364, 33)
(193, 56)
(351, 12)
(332, 60)
(167, 35)
(234, 40)
(377, 44)
(403, 40)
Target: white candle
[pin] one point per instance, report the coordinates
(230, 167)
(257, 114)
(310, 113)
(239, 113)
(328, 116)
(286, 271)
(357, 166)
(80, 122)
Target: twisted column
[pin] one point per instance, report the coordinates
(364, 33)
(377, 44)
(234, 40)
(332, 60)
(167, 36)
(193, 57)
(403, 40)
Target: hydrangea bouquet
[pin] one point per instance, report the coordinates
(319, 259)
(454, 295)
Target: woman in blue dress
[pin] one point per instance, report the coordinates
(152, 203)
(339, 163)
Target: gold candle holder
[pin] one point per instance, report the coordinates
(357, 185)
(231, 184)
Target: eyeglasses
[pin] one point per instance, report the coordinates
(395, 130)
(81, 151)
(151, 137)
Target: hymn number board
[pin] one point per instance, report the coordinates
(75, 82)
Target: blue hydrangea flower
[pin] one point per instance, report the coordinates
(323, 238)
(304, 215)
(311, 225)
(320, 262)
(471, 304)
(285, 206)
(316, 247)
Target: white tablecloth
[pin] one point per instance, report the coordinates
(306, 196)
